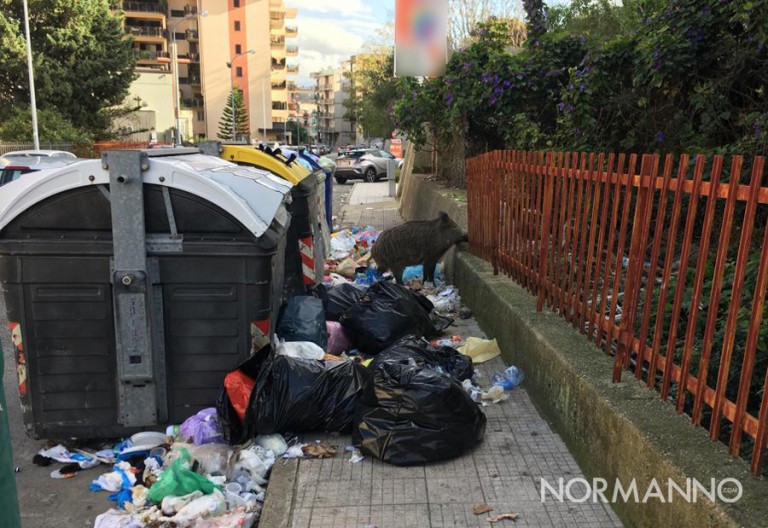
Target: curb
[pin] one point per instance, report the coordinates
(276, 512)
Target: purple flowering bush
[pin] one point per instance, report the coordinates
(644, 76)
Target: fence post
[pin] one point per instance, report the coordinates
(549, 186)
(635, 267)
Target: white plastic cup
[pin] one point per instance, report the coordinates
(234, 488)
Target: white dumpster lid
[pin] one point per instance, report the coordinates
(253, 196)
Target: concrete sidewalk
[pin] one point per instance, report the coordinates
(505, 471)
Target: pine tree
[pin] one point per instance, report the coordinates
(241, 117)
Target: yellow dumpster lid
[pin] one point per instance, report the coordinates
(249, 155)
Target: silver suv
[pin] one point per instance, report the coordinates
(364, 164)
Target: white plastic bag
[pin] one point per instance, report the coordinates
(299, 349)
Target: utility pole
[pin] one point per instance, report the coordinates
(30, 67)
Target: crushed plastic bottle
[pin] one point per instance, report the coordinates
(509, 379)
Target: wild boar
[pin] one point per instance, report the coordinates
(416, 242)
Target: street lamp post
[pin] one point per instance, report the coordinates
(175, 66)
(32, 101)
(231, 66)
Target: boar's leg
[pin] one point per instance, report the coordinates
(429, 269)
(397, 271)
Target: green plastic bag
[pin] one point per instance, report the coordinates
(177, 480)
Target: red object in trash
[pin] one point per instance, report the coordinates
(239, 388)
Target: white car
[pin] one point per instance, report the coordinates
(20, 155)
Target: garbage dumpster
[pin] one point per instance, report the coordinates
(135, 283)
(306, 245)
(9, 506)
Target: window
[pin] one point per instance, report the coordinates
(238, 49)
(200, 115)
(237, 3)
(237, 25)
(239, 71)
(177, 13)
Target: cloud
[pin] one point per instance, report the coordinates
(330, 31)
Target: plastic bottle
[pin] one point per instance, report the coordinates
(171, 504)
(211, 505)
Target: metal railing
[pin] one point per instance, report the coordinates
(145, 31)
(661, 262)
(151, 55)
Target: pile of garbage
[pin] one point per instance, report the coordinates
(359, 354)
(185, 477)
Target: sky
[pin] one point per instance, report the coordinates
(332, 30)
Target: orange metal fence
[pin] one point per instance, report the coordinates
(661, 262)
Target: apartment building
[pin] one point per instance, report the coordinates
(331, 90)
(220, 44)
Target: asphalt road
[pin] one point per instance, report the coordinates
(50, 503)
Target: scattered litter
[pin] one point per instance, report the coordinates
(179, 480)
(480, 350)
(60, 453)
(274, 442)
(496, 394)
(201, 428)
(481, 509)
(509, 379)
(320, 450)
(357, 456)
(502, 517)
(296, 451)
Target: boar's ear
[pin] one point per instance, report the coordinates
(443, 217)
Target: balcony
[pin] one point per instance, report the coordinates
(279, 105)
(292, 51)
(197, 102)
(277, 42)
(192, 80)
(145, 32)
(276, 20)
(291, 31)
(293, 68)
(186, 58)
(147, 10)
(192, 35)
(291, 86)
(279, 85)
(278, 65)
(190, 10)
(147, 56)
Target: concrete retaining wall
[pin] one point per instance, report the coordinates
(616, 431)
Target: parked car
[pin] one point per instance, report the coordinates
(26, 154)
(364, 164)
(15, 167)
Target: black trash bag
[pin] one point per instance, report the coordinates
(386, 313)
(339, 298)
(299, 395)
(447, 359)
(233, 429)
(303, 319)
(410, 415)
